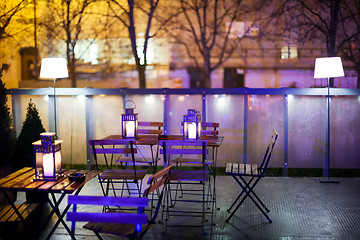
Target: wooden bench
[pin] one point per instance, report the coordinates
(125, 224)
(7, 213)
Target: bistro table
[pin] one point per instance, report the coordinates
(23, 180)
(213, 141)
(151, 140)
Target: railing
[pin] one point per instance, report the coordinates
(246, 117)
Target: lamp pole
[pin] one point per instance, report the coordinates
(328, 67)
(327, 162)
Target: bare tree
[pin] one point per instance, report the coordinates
(318, 22)
(66, 20)
(206, 30)
(350, 29)
(132, 14)
(8, 13)
(8, 10)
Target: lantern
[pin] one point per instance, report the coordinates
(47, 157)
(129, 122)
(192, 125)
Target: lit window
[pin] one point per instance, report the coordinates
(289, 52)
(87, 50)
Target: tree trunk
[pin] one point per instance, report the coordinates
(72, 73)
(334, 21)
(142, 78)
(207, 67)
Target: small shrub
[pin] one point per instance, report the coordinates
(30, 132)
(7, 134)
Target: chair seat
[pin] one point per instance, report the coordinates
(190, 161)
(127, 174)
(189, 176)
(242, 169)
(123, 230)
(137, 159)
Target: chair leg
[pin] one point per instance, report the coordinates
(98, 235)
(240, 194)
(251, 191)
(248, 194)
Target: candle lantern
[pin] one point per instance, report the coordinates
(192, 125)
(47, 157)
(129, 122)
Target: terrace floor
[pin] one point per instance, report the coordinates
(301, 208)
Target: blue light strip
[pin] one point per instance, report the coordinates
(188, 91)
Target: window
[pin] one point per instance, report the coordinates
(87, 50)
(233, 78)
(289, 52)
(197, 79)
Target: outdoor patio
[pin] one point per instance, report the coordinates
(301, 208)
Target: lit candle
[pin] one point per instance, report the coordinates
(192, 131)
(48, 165)
(130, 129)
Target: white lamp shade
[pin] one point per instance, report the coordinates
(54, 68)
(328, 67)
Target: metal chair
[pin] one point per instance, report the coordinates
(248, 176)
(129, 224)
(187, 180)
(147, 130)
(111, 177)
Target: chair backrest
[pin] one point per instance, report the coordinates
(156, 181)
(183, 147)
(150, 127)
(111, 147)
(269, 150)
(210, 128)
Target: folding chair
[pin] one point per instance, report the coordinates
(247, 176)
(121, 223)
(147, 130)
(117, 179)
(211, 129)
(173, 151)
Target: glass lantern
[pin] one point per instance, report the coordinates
(47, 157)
(192, 125)
(129, 123)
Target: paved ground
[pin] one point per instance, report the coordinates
(301, 208)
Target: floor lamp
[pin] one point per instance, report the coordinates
(328, 67)
(53, 68)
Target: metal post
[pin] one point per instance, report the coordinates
(286, 135)
(166, 113)
(89, 128)
(246, 107)
(204, 108)
(327, 158)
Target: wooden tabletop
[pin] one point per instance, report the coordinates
(23, 180)
(214, 141)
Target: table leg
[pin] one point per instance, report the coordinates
(55, 209)
(60, 215)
